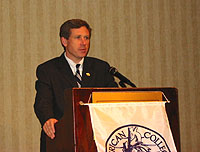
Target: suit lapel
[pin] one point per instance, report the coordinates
(66, 71)
(88, 74)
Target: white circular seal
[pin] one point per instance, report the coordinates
(135, 138)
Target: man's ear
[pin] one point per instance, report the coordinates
(63, 41)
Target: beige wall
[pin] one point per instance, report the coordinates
(155, 43)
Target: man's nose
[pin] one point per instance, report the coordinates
(83, 41)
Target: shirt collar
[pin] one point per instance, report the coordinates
(73, 64)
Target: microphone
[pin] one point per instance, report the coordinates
(115, 72)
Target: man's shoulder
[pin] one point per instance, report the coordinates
(50, 62)
(95, 60)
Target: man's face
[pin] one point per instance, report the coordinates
(78, 44)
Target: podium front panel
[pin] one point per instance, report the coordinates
(77, 118)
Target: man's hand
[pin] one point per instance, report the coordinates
(49, 128)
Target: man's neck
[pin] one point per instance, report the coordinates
(75, 60)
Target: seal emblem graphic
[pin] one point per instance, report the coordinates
(135, 138)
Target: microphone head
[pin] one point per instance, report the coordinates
(113, 70)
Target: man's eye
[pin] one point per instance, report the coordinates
(87, 37)
(78, 37)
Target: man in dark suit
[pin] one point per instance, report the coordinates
(60, 73)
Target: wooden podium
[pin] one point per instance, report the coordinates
(74, 131)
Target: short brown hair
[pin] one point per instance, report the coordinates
(65, 29)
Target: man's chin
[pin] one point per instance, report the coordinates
(83, 54)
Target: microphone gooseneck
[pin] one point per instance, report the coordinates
(113, 71)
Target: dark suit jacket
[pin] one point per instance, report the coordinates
(55, 75)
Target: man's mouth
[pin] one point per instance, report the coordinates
(82, 49)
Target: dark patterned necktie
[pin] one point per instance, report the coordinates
(78, 75)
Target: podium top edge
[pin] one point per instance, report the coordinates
(163, 89)
(115, 88)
